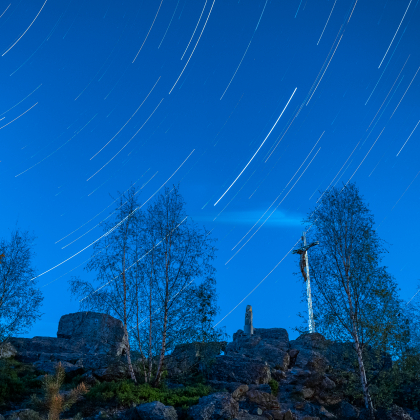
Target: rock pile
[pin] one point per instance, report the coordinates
(308, 388)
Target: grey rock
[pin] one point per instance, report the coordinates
(240, 369)
(245, 415)
(346, 411)
(153, 411)
(307, 393)
(263, 400)
(325, 414)
(190, 355)
(101, 333)
(267, 344)
(274, 414)
(86, 341)
(288, 415)
(397, 413)
(7, 350)
(240, 391)
(217, 406)
(278, 375)
(414, 414)
(110, 373)
(49, 367)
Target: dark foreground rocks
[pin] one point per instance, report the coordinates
(243, 378)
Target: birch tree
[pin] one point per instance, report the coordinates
(354, 297)
(20, 300)
(113, 289)
(183, 255)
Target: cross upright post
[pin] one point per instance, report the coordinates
(304, 266)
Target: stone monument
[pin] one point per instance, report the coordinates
(249, 328)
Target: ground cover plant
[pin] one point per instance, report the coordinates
(18, 381)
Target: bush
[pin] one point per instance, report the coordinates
(17, 381)
(274, 385)
(126, 392)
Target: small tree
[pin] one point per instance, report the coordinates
(354, 297)
(112, 261)
(182, 254)
(53, 402)
(20, 301)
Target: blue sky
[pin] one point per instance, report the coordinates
(97, 95)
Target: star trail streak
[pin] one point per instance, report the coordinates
(272, 128)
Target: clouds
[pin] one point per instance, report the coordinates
(249, 217)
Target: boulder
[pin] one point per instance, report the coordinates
(49, 367)
(263, 400)
(266, 344)
(240, 369)
(217, 406)
(245, 415)
(394, 413)
(153, 411)
(192, 355)
(86, 341)
(274, 414)
(240, 391)
(346, 411)
(100, 333)
(7, 350)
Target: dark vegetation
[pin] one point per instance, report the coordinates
(17, 383)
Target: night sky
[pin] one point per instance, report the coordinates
(294, 96)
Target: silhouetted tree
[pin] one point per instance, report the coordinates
(354, 297)
(20, 300)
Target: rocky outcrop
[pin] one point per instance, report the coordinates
(268, 345)
(240, 369)
(189, 356)
(215, 407)
(153, 411)
(86, 341)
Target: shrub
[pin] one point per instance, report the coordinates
(274, 385)
(17, 381)
(53, 402)
(126, 392)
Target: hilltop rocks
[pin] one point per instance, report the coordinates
(240, 369)
(86, 341)
(186, 357)
(268, 345)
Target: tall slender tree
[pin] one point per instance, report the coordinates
(112, 261)
(20, 300)
(183, 254)
(354, 297)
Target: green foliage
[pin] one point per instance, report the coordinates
(26, 415)
(53, 403)
(126, 393)
(274, 385)
(17, 381)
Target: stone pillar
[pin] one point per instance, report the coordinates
(249, 328)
